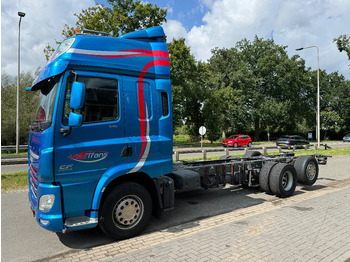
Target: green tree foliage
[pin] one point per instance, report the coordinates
(259, 86)
(251, 86)
(335, 103)
(343, 44)
(122, 17)
(188, 86)
(28, 106)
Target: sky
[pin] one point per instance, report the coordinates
(205, 24)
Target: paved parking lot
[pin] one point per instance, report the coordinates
(312, 225)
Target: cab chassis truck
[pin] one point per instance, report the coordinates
(100, 150)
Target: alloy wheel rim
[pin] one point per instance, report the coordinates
(287, 180)
(128, 212)
(311, 171)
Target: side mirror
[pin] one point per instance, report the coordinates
(77, 95)
(75, 119)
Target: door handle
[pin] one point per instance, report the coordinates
(127, 151)
(65, 131)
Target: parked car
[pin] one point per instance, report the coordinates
(291, 141)
(346, 138)
(237, 140)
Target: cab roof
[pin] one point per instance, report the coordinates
(132, 54)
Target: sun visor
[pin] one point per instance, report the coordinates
(50, 70)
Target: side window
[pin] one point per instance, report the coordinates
(101, 100)
(165, 106)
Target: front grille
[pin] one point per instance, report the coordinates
(33, 181)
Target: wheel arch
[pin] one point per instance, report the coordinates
(140, 178)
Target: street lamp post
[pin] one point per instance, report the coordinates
(318, 91)
(20, 14)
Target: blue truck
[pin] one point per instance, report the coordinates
(101, 147)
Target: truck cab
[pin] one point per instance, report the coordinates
(101, 142)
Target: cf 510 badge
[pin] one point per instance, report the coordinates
(89, 156)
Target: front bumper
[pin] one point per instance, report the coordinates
(51, 220)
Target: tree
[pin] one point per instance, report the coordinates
(122, 17)
(28, 106)
(335, 103)
(343, 44)
(187, 79)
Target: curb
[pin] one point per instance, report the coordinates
(14, 161)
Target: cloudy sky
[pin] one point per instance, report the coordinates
(204, 23)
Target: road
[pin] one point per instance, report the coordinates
(13, 168)
(24, 240)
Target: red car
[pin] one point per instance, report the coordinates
(237, 140)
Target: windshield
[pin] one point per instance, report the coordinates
(47, 102)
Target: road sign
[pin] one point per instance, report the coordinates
(202, 130)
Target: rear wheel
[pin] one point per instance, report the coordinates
(307, 170)
(251, 154)
(282, 180)
(249, 144)
(265, 175)
(125, 211)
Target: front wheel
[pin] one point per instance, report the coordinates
(125, 211)
(235, 145)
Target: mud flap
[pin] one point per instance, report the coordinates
(166, 192)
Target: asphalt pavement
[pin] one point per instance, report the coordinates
(24, 240)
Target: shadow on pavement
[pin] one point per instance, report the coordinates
(84, 238)
(190, 207)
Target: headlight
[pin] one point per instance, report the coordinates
(46, 202)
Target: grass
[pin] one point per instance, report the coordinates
(14, 180)
(14, 154)
(328, 152)
(298, 152)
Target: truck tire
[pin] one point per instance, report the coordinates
(282, 180)
(251, 154)
(307, 170)
(125, 211)
(265, 175)
(226, 157)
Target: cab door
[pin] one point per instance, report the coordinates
(83, 153)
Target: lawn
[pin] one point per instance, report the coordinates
(14, 180)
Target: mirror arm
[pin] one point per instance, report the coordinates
(75, 75)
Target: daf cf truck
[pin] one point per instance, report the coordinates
(101, 146)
